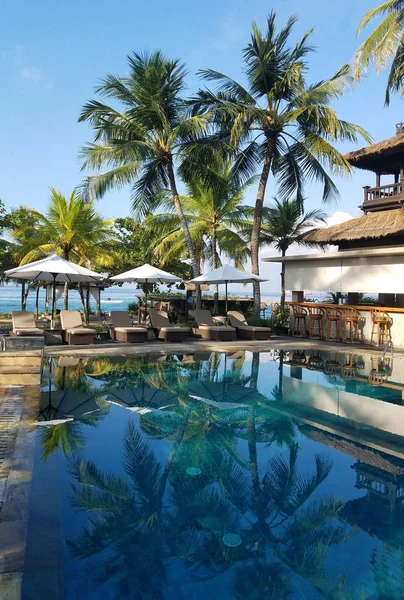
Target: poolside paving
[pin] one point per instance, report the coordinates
(192, 345)
(18, 407)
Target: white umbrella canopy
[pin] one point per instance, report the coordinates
(55, 269)
(146, 274)
(227, 274)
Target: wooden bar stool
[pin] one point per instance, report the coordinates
(316, 314)
(332, 364)
(380, 326)
(351, 324)
(350, 368)
(299, 320)
(334, 316)
(378, 374)
(315, 362)
(298, 358)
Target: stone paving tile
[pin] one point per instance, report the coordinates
(10, 586)
(18, 407)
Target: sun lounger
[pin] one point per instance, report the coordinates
(122, 329)
(163, 329)
(73, 330)
(24, 324)
(245, 331)
(208, 330)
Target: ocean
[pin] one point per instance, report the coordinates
(113, 298)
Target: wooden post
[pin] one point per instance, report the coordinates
(401, 173)
(366, 189)
(377, 179)
(297, 296)
(353, 298)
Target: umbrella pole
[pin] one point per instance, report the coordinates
(88, 304)
(37, 301)
(53, 300)
(226, 296)
(145, 302)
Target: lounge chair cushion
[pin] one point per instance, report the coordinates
(80, 330)
(24, 323)
(28, 331)
(70, 319)
(204, 318)
(160, 320)
(130, 329)
(121, 319)
(252, 328)
(237, 319)
(217, 327)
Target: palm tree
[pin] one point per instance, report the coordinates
(143, 141)
(280, 124)
(384, 45)
(70, 227)
(215, 215)
(283, 224)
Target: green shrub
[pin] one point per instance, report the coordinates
(258, 322)
(133, 306)
(281, 319)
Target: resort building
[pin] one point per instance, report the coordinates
(370, 256)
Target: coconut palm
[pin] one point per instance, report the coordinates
(71, 228)
(284, 224)
(384, 45)
(280, 123)
(142, 137)
(215, 215)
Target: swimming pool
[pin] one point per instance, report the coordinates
(247, 475)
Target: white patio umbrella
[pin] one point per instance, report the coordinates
(146, 274)
(54, 269)
(227, 274)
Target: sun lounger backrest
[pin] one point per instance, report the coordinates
(204, 318)
(70, 319)
(120, 318)
(236, 318)
(158, 319)
(23, 319)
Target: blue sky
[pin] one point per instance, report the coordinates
(53, 53)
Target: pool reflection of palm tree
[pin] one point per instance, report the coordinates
(68, 398)
(159, 514)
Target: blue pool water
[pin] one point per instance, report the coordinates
(222, 476)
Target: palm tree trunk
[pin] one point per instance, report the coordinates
(173, 452)
(184, 225)
(257, 219)
(66, 293)
(23, 295)
(251, 432)
(214, 266)
(81, 292)
(283, 291)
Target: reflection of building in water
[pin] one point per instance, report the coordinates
(380, 512)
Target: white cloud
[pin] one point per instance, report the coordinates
(32, 74)
(337, 218)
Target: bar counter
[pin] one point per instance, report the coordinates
(365, 324)
(360, 307)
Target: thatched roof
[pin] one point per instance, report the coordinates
(357, 451)
(384, 156)
(190, 287)
(374, 225)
